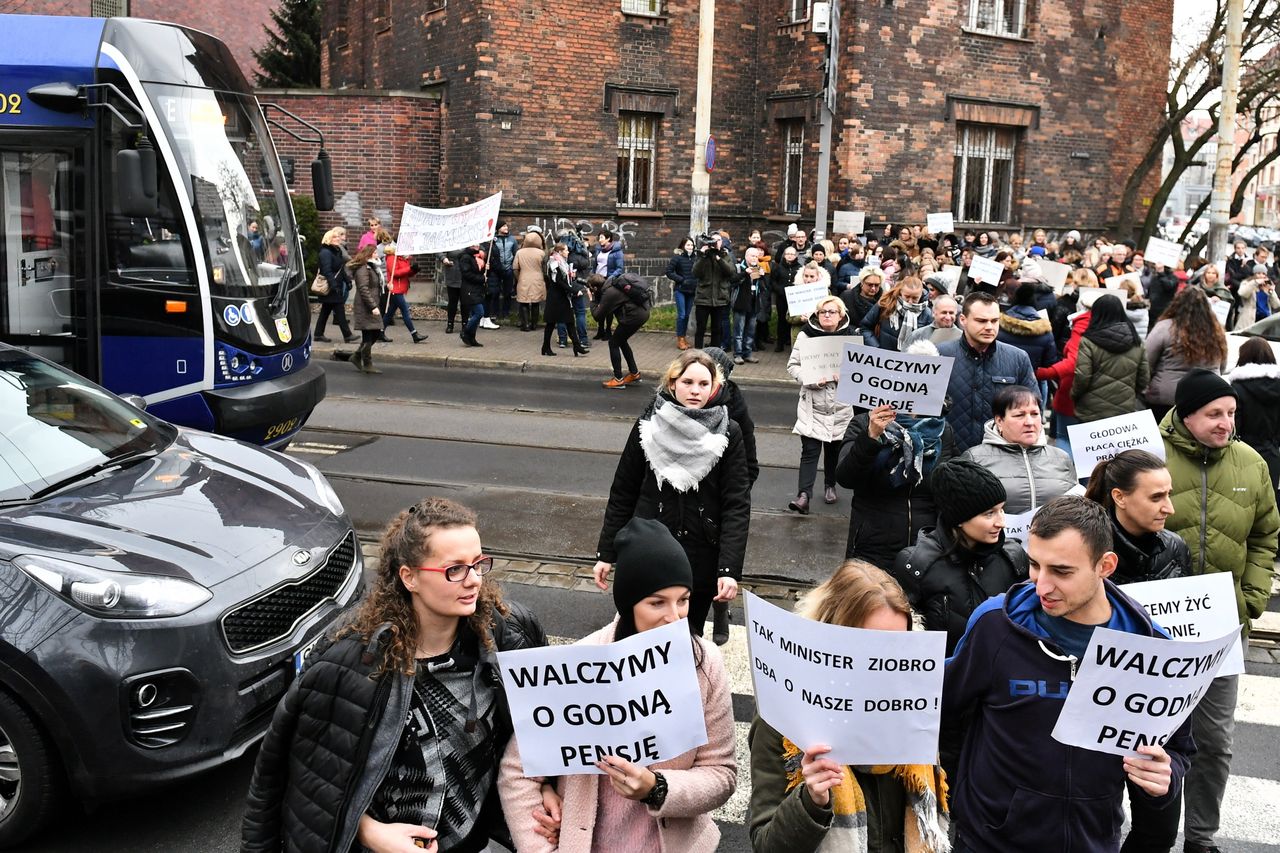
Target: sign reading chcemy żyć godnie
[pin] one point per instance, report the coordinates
(1193, 608)
(874, 697)
(637, 699)
(870, 377)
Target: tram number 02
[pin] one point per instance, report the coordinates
(10, 104)
(280, 429)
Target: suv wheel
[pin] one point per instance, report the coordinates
(30, 782)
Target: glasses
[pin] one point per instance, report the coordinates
(459, 571)
(829, 312)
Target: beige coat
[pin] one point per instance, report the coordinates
(818, 413)
(530, 285)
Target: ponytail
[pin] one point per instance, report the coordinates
(1119, 472)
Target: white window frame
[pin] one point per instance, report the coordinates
(652, 8)
(792, 158)
(999, 17)
(798, 10)
(983, 143)
(631, 140)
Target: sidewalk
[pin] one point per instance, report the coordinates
(511, 349)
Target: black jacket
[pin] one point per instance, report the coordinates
(1257, 387)
(333, 266)
(1161, 290)
(782, 274)
(945, 581)
(334, 734)
(746, 292)
(857, 305)
(473, 278)
(680, 271)
(1155, 557)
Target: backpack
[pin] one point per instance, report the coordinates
(636, 288)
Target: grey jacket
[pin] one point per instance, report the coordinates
(1167, 364)
(1031, 475)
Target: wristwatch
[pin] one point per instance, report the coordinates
(658, 793)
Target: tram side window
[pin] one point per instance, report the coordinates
(148, 251)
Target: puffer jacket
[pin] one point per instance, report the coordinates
(1064, 370)
(818, 413)
(1139, 313)
(715, 280)
(334, 734)
(975, 378)
(1023, 327)
(680, 271)
(1154, 557)
(368, 299)
(1031, 475)
(1111, 374)
(1258, 411)
(945, 581)
(1225, 510)
(1167, 364)
(613, 301)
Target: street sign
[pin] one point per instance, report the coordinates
(711, 154)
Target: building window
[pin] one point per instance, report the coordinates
(637, 145)
(982, 180)
(998, 17)
(798, 10)
(792, 164)
(343, 13)
(642, 7)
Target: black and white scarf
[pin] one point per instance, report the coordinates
(682, 445)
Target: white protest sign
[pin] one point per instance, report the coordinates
(1164, 252)
(1221, 310)
(952, 274)
(849, 222)
(1132, 690)
(985, 270)
(1115, 282)
(940, 223)
(425, 231)
(1017, 526)
(871, 377)
(820, 357)
(1193, 608)
(1086, 296)
(1095, 441)
(637, 699)
(1055, 274)
(873, 696)
(803, 299)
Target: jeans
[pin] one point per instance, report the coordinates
(339, 313)
(744, 333)
(394, 302)
(580, 315)
(684, 306)
(620, 349)
(476, 314)
(1212, 725)
(810, 450)
(1060, 424)
(716, 314)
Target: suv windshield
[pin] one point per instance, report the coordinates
(225, 151)
(55, 425)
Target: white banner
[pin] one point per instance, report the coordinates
(851, 222)
(1115, 282)
(1095, 441)
(424, 231)
(871, 377)
(952, 274)
(820, 357)
(1055, 274)
(637, 699)
(1193, 608)
(874, 697)
(803, 299)
(1164, 252)
(1133, 691)
(985, 270)
(939, 224)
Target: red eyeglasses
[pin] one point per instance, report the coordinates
(459, 571)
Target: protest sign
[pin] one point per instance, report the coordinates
(1017, 526)
(873, 696)
(1095, 441)
(871, 377)
(425, 231)
(1164, 252)
(637, 699)
(940, 223)
(985, 270)
(820, 357)
(1115, 282)
(1221, 309)
(1193, 608)
(1132, 690)
(849, 222)
(1086, 296)
(952, 274)
(1055, 274)
(803, 299)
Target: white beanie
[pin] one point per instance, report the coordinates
(1073, 235)
(792, 229)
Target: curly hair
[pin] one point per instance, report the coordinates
(407, 542)
(1196, 335)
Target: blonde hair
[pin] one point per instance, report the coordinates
(1083, 277)
(852, 593)
(684, 361)
(834, 300)
(333, 236)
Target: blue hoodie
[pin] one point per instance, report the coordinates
(1018, 789)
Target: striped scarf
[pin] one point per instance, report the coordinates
(682, 445)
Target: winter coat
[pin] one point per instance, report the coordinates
(783, 274)
(530, 285)
(333, 266)
(1225, 509)
(1031, 475)
(1247, 310)
(473, 283)
(818, 413)
(746, 292)
(615, 264)
(613, 301)
(714, 514)
(452, 274)
(1138, 311)
(1111, 374)
(1161, 289)
(403, 269)
(1036, 793)
(858, 305)
(1064, 370)
(884, 518)
(1154, 557)
(1258, 411)
(503, 255)
(1023, 327)
(975, 378)
(680, 271)
(311, 782)
(879, 331)
(560, 292)
(368, 299)
(698, 781)
(715, 280)
(1167, 364)
(946, 581)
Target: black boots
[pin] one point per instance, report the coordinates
(448, 329)
(720, 622)
(419, 337)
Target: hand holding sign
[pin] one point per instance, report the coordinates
(986, 271)
(871, 377)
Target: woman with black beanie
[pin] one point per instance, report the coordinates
(1111, 365)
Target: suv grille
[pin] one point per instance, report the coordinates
(273, 616)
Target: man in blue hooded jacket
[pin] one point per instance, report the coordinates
(1017, 788)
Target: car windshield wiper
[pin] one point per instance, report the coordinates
(122, 461)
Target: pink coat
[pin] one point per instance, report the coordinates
(698, 782)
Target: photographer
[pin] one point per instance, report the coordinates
(714, 272)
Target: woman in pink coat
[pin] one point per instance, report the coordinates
(664, 807)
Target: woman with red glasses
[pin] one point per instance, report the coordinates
(392, 736)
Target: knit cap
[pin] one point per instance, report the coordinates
(962, 489)
(721, 358)
(648, 559)
(1199, 388)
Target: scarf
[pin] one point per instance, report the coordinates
(682, 445)
(915, 442)
(904, 320)
(925, 822)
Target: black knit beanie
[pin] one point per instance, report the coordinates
(721, 358)
(649, 559)
(1199, 388)
(962, 489)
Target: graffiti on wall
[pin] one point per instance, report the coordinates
(554, 224)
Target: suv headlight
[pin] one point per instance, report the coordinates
(325, 492)
(115, 595)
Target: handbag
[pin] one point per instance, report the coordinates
(320, 285)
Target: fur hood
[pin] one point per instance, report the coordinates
(1254, 371)
(1024, 326)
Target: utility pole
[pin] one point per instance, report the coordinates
(700, 197)
(826, 113)
(1220, 206)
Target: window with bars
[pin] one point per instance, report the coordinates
(798, 10)
(642, 7)
(999, 17)
(982, 180)
(792, 164)
(637, 148)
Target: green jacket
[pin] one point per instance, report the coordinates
(1109, 382)
(1225, 509)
